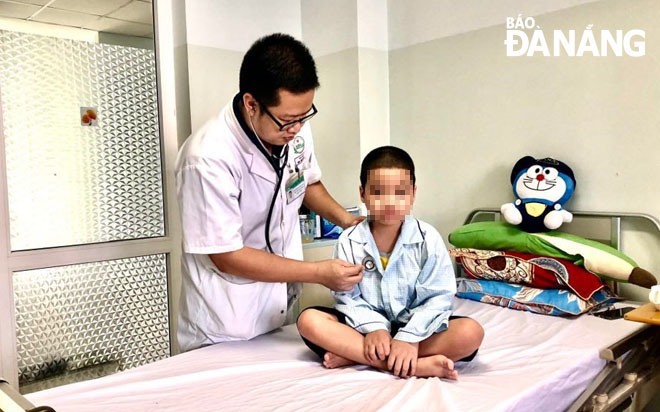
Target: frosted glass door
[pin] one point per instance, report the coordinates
(68, 182)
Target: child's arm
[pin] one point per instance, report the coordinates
(365, 319)
(435, 290)
(360, 315)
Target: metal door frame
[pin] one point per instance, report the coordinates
(11, 262)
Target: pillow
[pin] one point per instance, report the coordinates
(596, 257)
(533, 270)
(554, 302)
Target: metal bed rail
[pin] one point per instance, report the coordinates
(615, 217)
(12, 401)
(627, 382)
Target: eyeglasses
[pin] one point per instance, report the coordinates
(289, 125)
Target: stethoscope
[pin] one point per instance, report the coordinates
(278, 166)
(368, 262)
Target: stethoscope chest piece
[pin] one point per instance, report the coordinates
(369, 264)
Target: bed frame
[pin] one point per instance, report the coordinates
(12, 401)
(631, 377)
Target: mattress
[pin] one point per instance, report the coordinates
(526, 362)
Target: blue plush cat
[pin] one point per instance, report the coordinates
(541, 187)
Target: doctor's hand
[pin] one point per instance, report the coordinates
(338, 275)
(351, 220)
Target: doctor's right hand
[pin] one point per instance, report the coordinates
(339, 275)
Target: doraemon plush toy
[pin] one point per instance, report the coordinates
(541, 187)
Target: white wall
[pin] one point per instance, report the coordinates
(467, 112)
(329, 26)
(349, 42)
(218, 33)
(235, 25)
(412, 22)
(181, 85)
(374, 92)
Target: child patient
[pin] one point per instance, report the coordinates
(398, 318)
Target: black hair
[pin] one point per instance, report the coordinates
(277, 61)
(386, 157)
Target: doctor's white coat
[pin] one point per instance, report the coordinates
(224, 187)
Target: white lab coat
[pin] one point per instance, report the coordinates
(224, 187)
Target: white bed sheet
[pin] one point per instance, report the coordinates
(526, 362)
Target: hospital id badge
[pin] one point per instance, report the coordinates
(295, 187)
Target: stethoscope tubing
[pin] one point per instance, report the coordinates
(280, 173)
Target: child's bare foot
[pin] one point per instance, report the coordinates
(436, 366)
(331, 361)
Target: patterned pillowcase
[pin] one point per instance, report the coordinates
(594, 256)
(542, 272)
(554, 302)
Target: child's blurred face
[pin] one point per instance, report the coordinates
(389, 194)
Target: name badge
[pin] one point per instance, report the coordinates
(295, 187)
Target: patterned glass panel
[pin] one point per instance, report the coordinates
(70, 183)
(81, 319)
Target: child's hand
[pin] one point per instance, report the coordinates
(403, 358)
(377, 345)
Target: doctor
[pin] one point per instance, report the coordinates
(240, 182)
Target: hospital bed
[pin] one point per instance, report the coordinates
(527, 362)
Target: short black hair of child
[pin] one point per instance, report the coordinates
(273, 62)
(386, 157)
